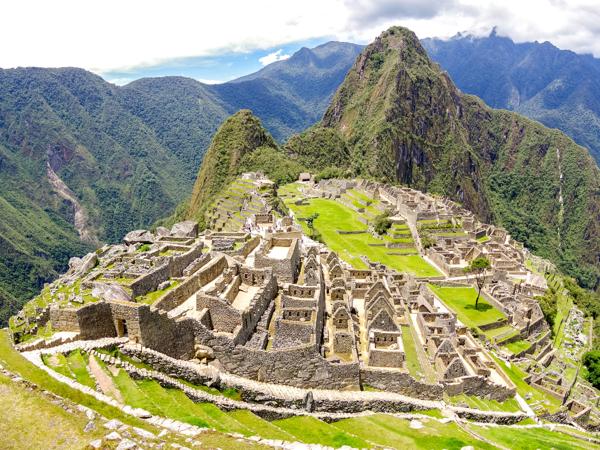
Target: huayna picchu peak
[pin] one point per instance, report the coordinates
(340, 250)
(405, 121)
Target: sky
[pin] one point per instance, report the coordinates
(216, 41)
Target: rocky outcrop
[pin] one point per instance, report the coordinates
(139, 237)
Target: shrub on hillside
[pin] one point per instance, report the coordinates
(382, 223)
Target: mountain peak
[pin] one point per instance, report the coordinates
(405, 121)
(240, 134)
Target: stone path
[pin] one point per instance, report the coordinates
(104, 382)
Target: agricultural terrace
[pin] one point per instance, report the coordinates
(335, 217)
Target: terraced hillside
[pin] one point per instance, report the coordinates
(343, 226)
(425, 430)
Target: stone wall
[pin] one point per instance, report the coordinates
(480, 387)
(181, 293)
(95, 321)
(286, 270)
(224, 318)
(301, 366)
(173, 268)
(171, 337)
(64, 319)
(401, 383)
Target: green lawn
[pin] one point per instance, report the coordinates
(313, 431)
(510, 405)
(518, 346)
(462, 301)
(412, 360)
(531, 438)
(334, 216)
(391, 432)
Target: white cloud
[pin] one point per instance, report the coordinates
(116, 35)
(206, 81)
(273, 57)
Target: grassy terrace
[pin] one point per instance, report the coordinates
(387, 431)
(530, 438)
(517, 346)
(510, 405)
(334, 216)
(412, 360)
(462, 301)
(29, 420)
(517, 375)
(151, 297)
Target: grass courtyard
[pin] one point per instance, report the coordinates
(334, 216)
(462, 301)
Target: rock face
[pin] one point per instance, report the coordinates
(79, 266)
(186, 229)
(110, 292)
(404, 120)
(139, 237)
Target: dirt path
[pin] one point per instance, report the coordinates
(104, 381)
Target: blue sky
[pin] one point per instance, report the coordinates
(214, 69)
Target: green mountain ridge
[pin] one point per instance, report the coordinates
(128, 154)
(405, 121)
(557, 87)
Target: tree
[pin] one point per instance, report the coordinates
(310, 223)
(478, 267)
(382, 223)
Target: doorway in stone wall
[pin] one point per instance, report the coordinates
(122, 328)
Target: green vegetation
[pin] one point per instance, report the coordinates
(510, 405)
(151, 297)
(239, 135)
(412, 360)
(517, 346)
(334, 216)
(529, 438)
(462, 301)
(273, 163)
(591, 361)
(382, 223)
(381, 99)
(477, 268)
(13, 361)
(29, 419)
(517, 376)
(318, 148)
(391, 432)
(311, 430)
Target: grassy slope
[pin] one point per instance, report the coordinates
(28, 419)
(334, 216)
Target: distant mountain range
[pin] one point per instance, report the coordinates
(559, 88)
(73, 146)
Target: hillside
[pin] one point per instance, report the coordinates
(557, 87)
(76, 150)
(239, 135)
(405, 121)
(291, 95)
